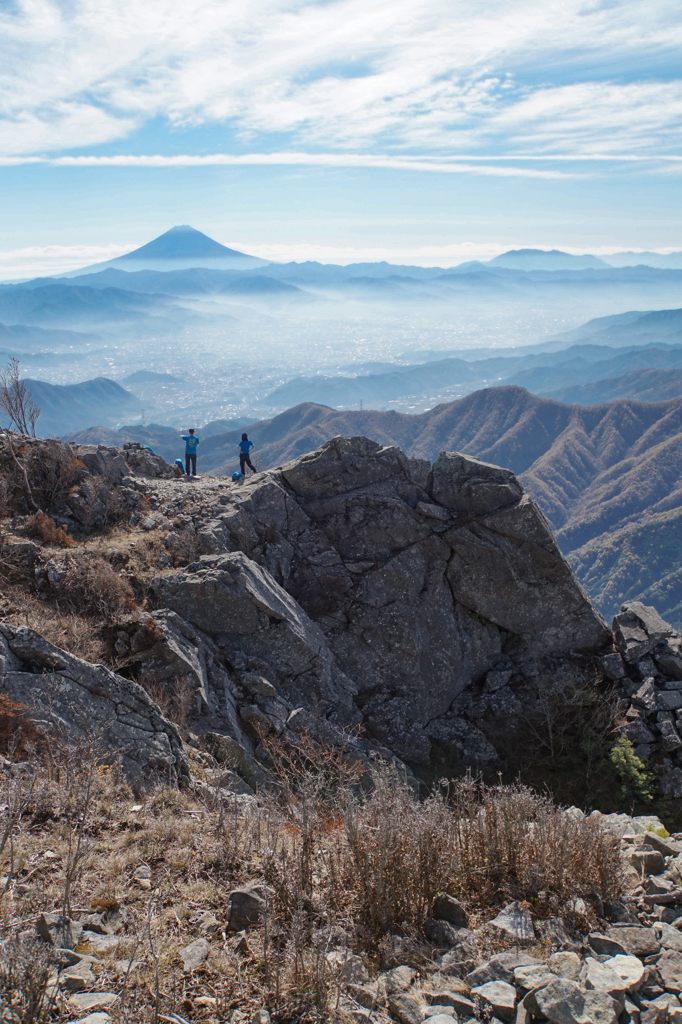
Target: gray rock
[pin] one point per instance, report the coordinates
(515, 922)
(440, 1015)
(501, 968)
(647, 860)
(95, 1018)
(59, 931)
(601, 978)
(669, 937)
(528, 978)
(462, 1005)
(669, 967)
(405, 1009)
(604, 945)
(564, 1002)
(447, 908)
(565, 965)
(92, 1000)
(635, 940)
(629, 969)
(74, 698)
(498, 995)
(77, 977)
(194, 955)
(246, 907)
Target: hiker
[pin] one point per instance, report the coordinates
(191, 443)
(245, 447)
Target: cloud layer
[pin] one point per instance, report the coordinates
(576, 78)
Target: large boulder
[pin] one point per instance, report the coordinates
(75, 700)
(410, 583)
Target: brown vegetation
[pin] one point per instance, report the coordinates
(42, 527)
(335, 864)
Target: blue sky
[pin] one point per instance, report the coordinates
(415, 130)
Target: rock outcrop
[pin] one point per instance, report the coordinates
(76, 700)
(381, 604)
(377, 591)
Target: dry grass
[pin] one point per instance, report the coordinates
(340, 868)
(42, 527)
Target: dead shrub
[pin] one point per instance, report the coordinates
(25, 968)
(90, 585)
(42, 527)
(176, 697)
(19, 734)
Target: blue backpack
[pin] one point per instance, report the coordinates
(237, 476)
(178, 463)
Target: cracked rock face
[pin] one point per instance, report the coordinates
(73, 698)
(368, 587)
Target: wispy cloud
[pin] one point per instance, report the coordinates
(45, 260)
(361, 76)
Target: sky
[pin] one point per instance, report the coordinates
(425, 131)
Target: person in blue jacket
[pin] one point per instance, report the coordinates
(245, 447)
(191, 444)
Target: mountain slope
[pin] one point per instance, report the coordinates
(646, 385)
(69, 406)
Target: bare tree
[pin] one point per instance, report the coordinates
(16, 400)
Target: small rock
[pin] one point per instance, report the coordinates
(565, 965)
(208, 923)
(441, 1017)
(77, 977)
(398, 979)
(515, 922)
(635, 941)
(630, 969)
(246, 907)
(101, 943)
(95, 1018)
(564, 1002)
(669, 937)
(261, 1017)
(529, 978)
(194, 955)
(604, 945)
(669, 966)
(59, 931)
(647, 861)
(500, 996)
(460, 1003)
(92, 1000)
(447, 908)
(600, 978)
(406, 1010)
(501, 968)
(348, 968)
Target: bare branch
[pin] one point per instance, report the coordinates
(16, 400)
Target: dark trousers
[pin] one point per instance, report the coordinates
(190, 462)
(245, 460)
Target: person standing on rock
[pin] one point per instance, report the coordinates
(191, 444)
(245, 447)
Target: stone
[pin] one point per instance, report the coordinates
(668, 847)
(636, 941)
(447, 908)
(81, 699)
(528, 978)
(564, 1002)
(77, 977)
(647, 860)
(194, 955)
(100, 943)
(398, 979)
(348, 967)
(439, 1015)
(443, 934)
(601, 978)
(461, 1004)
(669, 967)
(630, 970)
(405, 1009)
(671, 783)
(669, 937)
(59, 931)
(245, 908)
(515, 922)
(501, 968)
(612, 665)
(499, 996)
(604, 945)
(92, 1000)
(565, 965)
(95, 1018)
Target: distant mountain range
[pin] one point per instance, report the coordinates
(70, 406)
